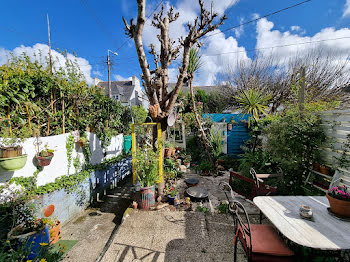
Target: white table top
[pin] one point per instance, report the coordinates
(325, 232)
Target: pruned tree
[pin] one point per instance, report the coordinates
(155, 81)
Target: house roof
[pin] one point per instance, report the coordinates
(122, 88)
(186, 88)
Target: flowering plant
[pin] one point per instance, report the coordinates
(340, 192)
(10, 192)
(172, 191)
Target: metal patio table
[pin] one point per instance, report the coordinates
(323, 234)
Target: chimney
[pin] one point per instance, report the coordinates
(96, 81)
(135, 81)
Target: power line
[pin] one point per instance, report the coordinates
(245, 23)
(257, 19)
(278, 46)
(127, 40)
(98, 21)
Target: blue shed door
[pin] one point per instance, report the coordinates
(236, 138)
(238, 135)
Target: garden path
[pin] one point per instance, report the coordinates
(97, 225)
(159, 235)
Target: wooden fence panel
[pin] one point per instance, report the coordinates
(337, 126)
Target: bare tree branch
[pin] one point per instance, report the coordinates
(156, 81)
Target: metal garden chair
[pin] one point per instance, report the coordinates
(260, 242)
(261, 188)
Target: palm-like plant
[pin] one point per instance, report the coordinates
(194, 64)
(253, 102)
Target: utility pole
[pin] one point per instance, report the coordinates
(109, 73)
(50, 57)
(48, 32)
(109, 76)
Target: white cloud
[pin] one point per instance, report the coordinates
(239, 30)
(347, 8)
(121, 78)
(292, 43)
(213, 63)
(189, 10)
(97, 73)
(295, 28)
(219, 6)
(40, 53)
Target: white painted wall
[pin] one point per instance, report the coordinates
(59, 163)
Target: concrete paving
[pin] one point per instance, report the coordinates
(169, 236)
(159, 235)
(96, 226)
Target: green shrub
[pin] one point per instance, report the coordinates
(293, 141)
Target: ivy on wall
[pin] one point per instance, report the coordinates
(67, 182)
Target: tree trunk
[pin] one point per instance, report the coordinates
(199, 124)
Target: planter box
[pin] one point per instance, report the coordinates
(70, 205)
(67, 205)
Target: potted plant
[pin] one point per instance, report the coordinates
(172, 193)
(54, 224)
(54, 230)
(34, 232)
(168, 150)
(206, 167)
(10, 148)
(11, 154)
(82, 142)
(187, 161)
(339, 200)
(324, 169)
(316, 166)
(146, 168)
(45, 156)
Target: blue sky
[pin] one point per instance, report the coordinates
(91, 27)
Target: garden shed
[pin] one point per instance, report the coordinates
(236, 133)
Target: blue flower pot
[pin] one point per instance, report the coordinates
(34, 242)
(171, 200)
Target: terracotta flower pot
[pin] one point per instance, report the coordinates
(81, 143)
(316, 167)
(44, 160)
(167, 152)
(339, 207)
(324, 169)
(55, 233)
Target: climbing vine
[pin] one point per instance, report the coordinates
(76, 163)
(69, 147)
(69, 183)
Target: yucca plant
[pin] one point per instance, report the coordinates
(195, 63)
(253, 102)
